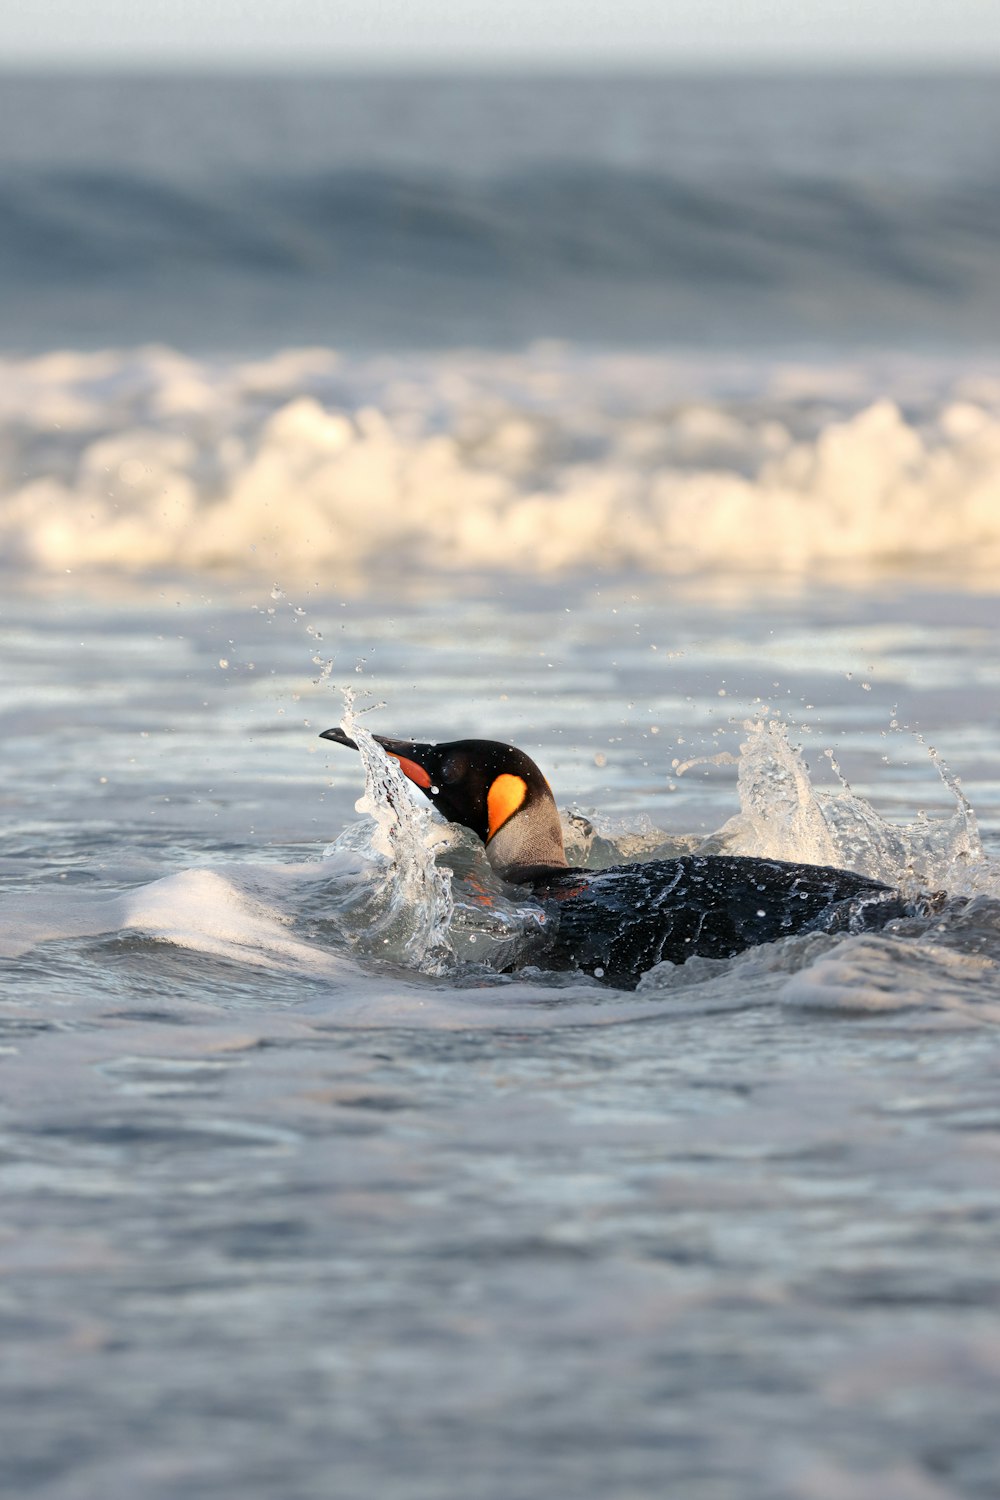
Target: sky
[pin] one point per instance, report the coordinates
(501, 33)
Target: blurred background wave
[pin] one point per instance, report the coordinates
(233, 213)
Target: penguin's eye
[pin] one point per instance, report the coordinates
(453, 769)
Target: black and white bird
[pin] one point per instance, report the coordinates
(619, 922)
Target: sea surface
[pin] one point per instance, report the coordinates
(240, 213)
(652, 426)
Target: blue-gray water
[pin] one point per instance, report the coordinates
(280, 1219)
(224, 213)
(298, 1196)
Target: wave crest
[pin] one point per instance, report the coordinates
(534, 464)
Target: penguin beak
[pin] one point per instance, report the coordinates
(339, 738)
(404, 752)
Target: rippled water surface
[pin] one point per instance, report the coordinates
(225, 212)
(284, 1215)
(651, 425)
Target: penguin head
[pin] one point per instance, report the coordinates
(495, 790)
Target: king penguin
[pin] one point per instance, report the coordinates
(619, 922)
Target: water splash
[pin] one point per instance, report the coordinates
(406, 914)
(403, 906)
(784, 816)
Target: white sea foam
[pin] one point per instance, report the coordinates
(307, 463)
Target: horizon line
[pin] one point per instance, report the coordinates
(292, 65)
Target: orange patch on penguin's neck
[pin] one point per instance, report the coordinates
(503, 799)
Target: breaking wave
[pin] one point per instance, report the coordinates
(415, 257)
(537, 463)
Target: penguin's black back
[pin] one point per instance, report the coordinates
(625, 919)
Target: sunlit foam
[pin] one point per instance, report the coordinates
(147, 460)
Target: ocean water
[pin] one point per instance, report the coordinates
(230, 213)
(654, 427)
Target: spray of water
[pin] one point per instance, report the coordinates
(784, 816)
(409, 915)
